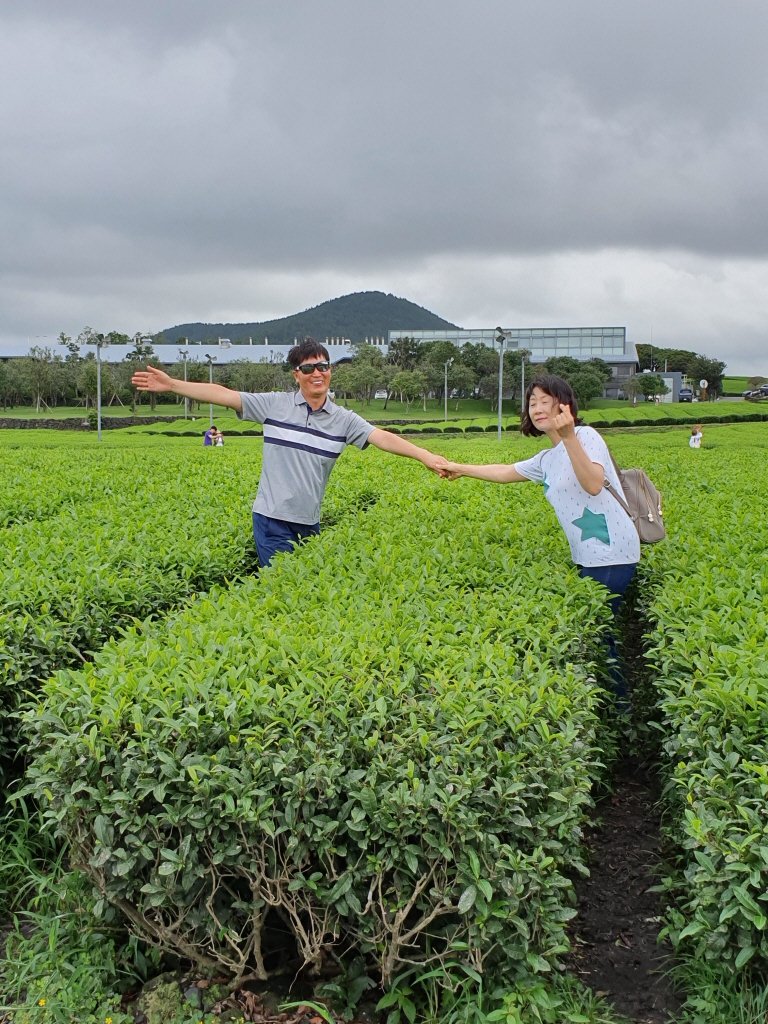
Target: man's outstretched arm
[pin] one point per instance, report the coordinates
(396, 445)
(159, 381)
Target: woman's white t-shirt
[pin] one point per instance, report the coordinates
(598, 530)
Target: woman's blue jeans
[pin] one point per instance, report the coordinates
(615, 579)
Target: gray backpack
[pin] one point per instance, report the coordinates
(643, 504)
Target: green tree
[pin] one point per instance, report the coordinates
(461, 379)
(651, 385)
(563, 366)
(142, 346)
(513, 373)
(651, 357)
(409, 385)
(587, 385)
(86, 379)
(404, 353)
(243, 375)
(600, 367)
(362, 375)
(39, 372)
(370, 354)
(710, 370)
(342, 381)
(485, 362)
(437, 353)
(88, 336)
(587, 377)
(72, 347)
(367, 377)
(632, 387)
(5, 385)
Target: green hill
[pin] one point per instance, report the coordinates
(356, 317)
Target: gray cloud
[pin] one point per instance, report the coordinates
(556, 162)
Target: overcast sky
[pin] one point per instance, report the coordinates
(539, 163)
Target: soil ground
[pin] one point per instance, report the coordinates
(615, 947)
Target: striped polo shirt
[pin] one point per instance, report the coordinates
(301, 446)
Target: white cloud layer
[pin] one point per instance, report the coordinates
(526, 164)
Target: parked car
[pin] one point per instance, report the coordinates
(685, 395)
(381, 393)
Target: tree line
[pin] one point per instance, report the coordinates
(412, 371)
(695, 367)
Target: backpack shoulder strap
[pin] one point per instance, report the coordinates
(611, 489)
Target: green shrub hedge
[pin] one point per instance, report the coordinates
(396, 763)
(708, 612)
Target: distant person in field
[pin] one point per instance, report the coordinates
(209, 436)
(696, 436)
(304, 434)
(218, 439)
(603, 540)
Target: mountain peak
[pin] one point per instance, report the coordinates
(356, 316)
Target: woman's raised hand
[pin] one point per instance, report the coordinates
(563, 422)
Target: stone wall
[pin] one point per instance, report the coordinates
(81, 423)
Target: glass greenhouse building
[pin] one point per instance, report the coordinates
(582, 343)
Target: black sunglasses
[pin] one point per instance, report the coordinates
(307, 368)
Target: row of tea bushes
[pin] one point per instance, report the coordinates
(707, 648)
(126, 535)
(37, 482)
(384, 745)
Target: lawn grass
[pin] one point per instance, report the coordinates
(476, 414)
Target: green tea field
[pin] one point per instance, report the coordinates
(365, 783)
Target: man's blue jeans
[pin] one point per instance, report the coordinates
(273, 535)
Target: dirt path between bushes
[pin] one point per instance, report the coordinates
(615, 936)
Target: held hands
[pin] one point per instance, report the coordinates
(447, 470)
(151, 379)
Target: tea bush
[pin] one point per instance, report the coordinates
(394, 757)
(709, 617)
(117, 536)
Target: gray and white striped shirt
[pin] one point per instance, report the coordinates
(301, 446)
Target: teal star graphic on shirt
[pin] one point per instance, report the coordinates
(593, 524)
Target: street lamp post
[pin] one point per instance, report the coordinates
(184, 353)
(522, 382)
(211, 361)
(446, 364)
(100, 340)
(501, 338)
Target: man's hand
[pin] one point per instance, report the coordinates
(436, 463)
(152, 379)
(448, 470)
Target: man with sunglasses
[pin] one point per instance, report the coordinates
(304, 434)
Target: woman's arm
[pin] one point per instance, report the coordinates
(497, 474)
(591, 475)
